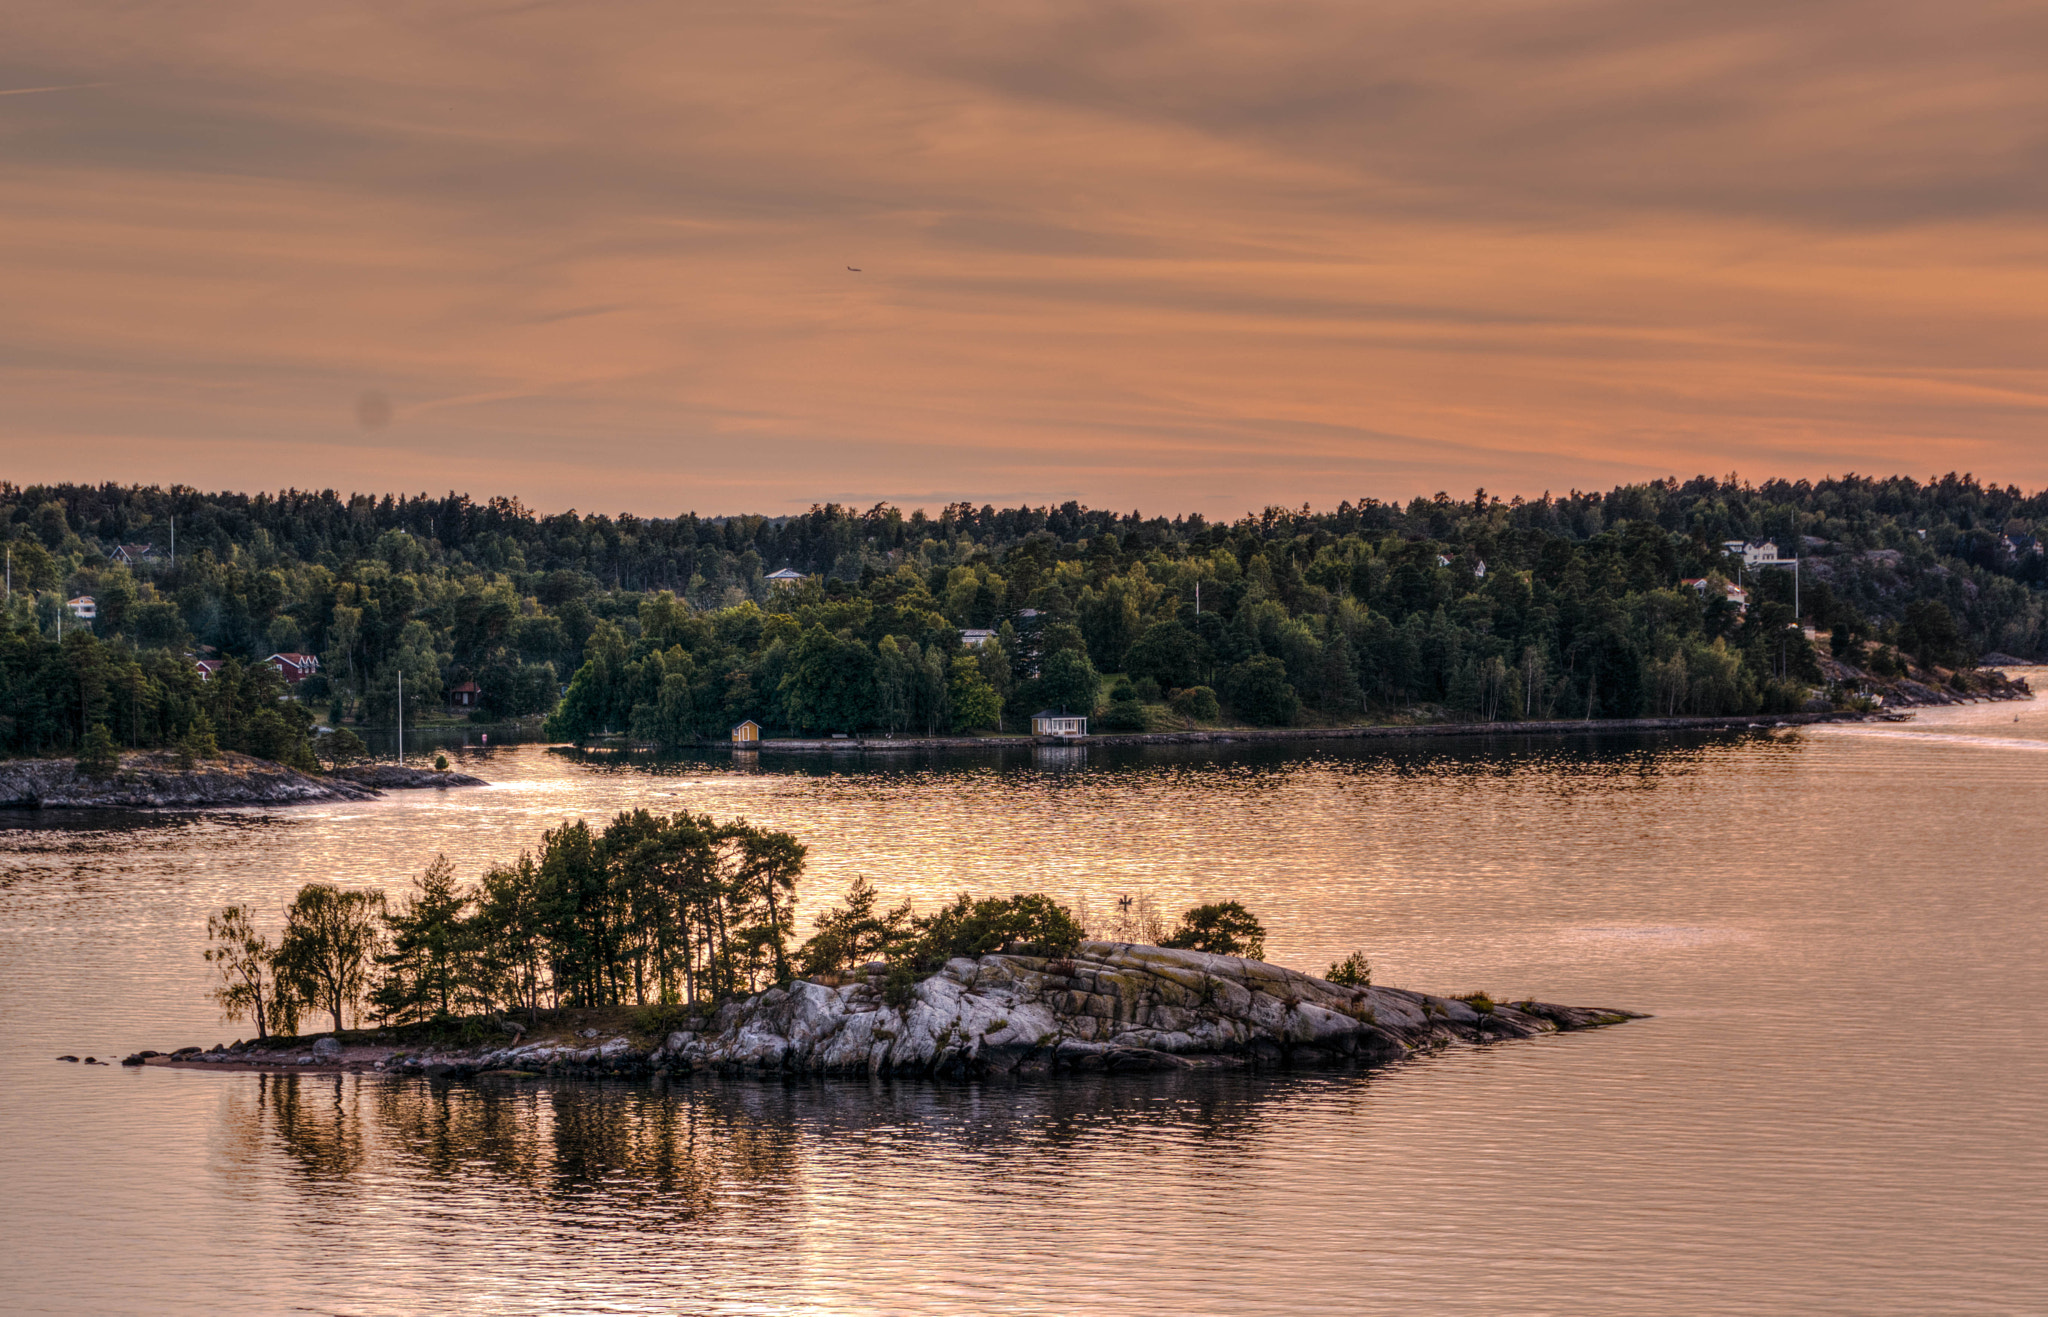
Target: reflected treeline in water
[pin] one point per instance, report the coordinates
(468, 739)
(1602, 753)
(316, 1121)
(708, 1149)
(28, 832)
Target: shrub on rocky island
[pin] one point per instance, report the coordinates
(1354, 971)
(1224, 928)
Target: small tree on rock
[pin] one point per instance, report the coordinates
(341, 747)
(1224, 928)
(852, 933)
(1354, 971)
(97, 758)
(197, 743)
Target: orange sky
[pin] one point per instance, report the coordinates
(1178, 256)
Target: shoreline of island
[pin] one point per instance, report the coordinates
(1108, 1008)
(159, 780)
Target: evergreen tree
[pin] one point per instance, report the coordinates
(98, 758)
(427, 949)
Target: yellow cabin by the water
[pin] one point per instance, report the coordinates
(747, 733)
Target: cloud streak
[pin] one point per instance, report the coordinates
(37, 91)
(1147, 252)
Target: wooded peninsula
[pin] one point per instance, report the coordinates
(145, 617)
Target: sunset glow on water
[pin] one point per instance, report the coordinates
(1821, 1116)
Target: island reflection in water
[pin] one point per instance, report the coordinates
(750, 1193)
(695, 1149)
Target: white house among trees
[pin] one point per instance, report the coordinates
(1051, 722)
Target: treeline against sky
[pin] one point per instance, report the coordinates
(646, 910)
(667, 628)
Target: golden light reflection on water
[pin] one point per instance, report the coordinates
(1834, 1110)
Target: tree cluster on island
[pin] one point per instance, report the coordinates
(669, 630)
(649, 909)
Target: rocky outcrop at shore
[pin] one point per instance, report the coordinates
(1113, 1007)
(154, 780)
(1926, 687)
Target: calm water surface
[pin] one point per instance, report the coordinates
(1837, 1109)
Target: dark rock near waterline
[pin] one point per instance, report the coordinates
(67, 1058)
(396, 777)
(1929, 687)
(154, 780)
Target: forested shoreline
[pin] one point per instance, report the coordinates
(670, 630)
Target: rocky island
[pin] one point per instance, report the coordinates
(157, 779)
(1111, 1007)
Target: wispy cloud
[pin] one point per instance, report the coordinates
(1140, 250)
(35, 91)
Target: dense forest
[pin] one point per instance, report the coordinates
(669, 629)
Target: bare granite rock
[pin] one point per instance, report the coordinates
(1113, 1007)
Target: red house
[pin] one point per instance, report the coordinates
(465, 696)
(207, 667)
(295, 667)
